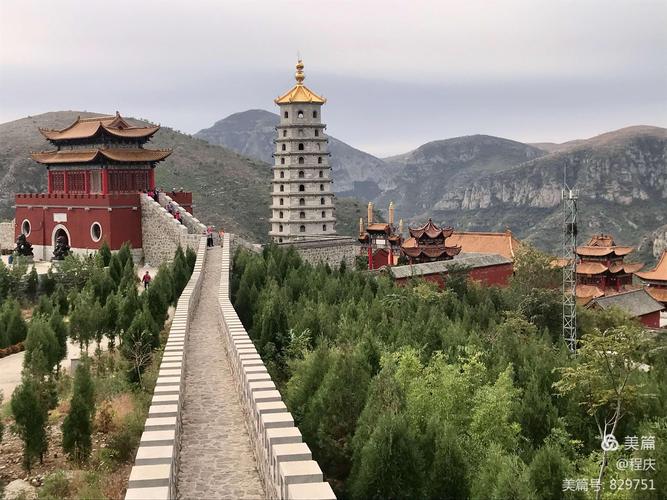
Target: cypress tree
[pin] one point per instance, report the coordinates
(42, 352)
(129, 278)
(105, 253)
(115, 269)
(180, 272)
(60, 300)
(77, 426)
(191, 259)
(14, 323)
(30, 415)
(44, 307)
(31, 281)
(60, 330)
(128, 306)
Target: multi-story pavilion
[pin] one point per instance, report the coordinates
(302, 205)
(656, 280)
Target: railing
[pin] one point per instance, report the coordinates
(284, 461)
(155, 469)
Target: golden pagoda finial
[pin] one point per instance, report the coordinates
(391, 213)
(361, 226)
(300, 77)
(370, 213)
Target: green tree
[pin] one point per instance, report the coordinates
(604, 380)
(190, 259)
(138, 344)
(128, 305)
(77, 426)
(180, 272)
(85, 319)
(105, 253)
(15, 325)
(30, 284)
(60, 330)
(116, 269)
(42, 352)
(44, 307)
(60, 299)
(125, 254)
(30, 416)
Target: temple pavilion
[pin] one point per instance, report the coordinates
(601, 267)
(380, 240)
(95, 173)
(427, 243)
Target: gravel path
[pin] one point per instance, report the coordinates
(216, 458)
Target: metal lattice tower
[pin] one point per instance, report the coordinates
(569, 197)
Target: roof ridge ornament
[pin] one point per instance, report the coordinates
(299, 75)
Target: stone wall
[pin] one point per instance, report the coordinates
(155, 469)
(284, 461)
(162, 234)
(331, 251)
(193, 224)
(7, 243)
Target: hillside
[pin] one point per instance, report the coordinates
(621, 176)
(230, 191)
(251, 133)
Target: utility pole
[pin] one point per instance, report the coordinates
(569, 197)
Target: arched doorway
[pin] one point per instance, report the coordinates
(58, 231)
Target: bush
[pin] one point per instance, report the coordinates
(125, 441)
(56, 486)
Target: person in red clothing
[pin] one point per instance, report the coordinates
(146, 280)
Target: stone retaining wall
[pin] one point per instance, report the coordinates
(7, 243)
(161, 234)
(193, 224)
(284, 461)
(155, 470)
(330, 251)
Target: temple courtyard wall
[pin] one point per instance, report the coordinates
(7, 243)
(330, 251)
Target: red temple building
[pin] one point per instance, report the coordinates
(95, 175)
(380, 240)
(656, 280)
(601, 267)
(427, 244)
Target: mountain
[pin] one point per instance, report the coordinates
(487, 183)
(230, 190)
(251, 133)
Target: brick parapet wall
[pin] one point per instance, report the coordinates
(193, 224)
(330, 251)
(284, 461)
(155, 471)
(162, 234)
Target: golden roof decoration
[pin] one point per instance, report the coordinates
(85, 128)
(300, 93)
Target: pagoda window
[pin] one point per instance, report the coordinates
(302, 202)
(299, 114)
(301, 160)
(282, 161)
(286, 114)
(321, 187)
(284, 148)
(324, 214)
(302, 229)
(284, 133)
(282, 201)
(301, 146)
(302, 215)
(280, 228)
(300, 132)
(314, 114)
(302, 188)
(76, 182)
(322, 202)
(280, 214)
(321, 173)
(317, 133)
(318, 146)
(301, 174)
(95, 182)
(319, 159)
(282, 174)
(282, 188)
(324, 227)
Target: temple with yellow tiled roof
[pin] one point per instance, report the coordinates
(427, 243)
(655, 280)
(601, 267)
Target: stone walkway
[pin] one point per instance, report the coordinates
(216, 458)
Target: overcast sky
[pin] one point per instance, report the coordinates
(396, 73)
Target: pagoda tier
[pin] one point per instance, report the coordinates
(100, 155)
(601, 264)
(427, 244)
(656, 280)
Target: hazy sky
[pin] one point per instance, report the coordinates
(396, 73)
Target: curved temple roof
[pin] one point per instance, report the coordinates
(85, 128)
(601, 245)
(88, 155)
(300, 93)
(431, 231)
(659, 272)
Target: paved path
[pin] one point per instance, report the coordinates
(216, 459)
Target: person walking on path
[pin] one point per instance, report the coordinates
(146, 280)
(209, 236)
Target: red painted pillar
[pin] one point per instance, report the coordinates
(151, 179)
(370, 256)
(86, 182)
(65, 183)
(105, 181)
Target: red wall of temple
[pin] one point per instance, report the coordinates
(118, 215)
(498, 275)
(183, 198)
(651, 320)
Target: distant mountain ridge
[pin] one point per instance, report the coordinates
(481, 182)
